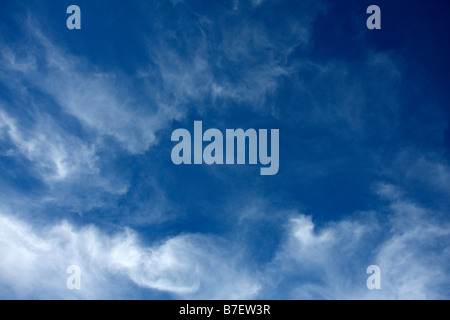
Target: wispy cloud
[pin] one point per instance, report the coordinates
(188, 266)
(218, 61)
(70, 167)
(411, 248)
(77, 137)
(56, 154)
(70, 120)
(99, 100)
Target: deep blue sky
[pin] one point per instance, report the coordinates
(86, 118)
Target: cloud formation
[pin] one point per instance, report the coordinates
(311, 263)
(99, 100)
(405, 240)
(188, 266)
(95, 140)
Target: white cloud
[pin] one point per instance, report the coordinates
(226, 59)
(429, 169)
(75, 161)
(188, 266)
(198, 267)
(329, 262)
(56, 154)
(69, 166)
(101, 101)
(412, 250)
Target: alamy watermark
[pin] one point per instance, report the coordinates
(374, 21)
(216, 152)
(374, 281)
(74, 280)
(74, 20)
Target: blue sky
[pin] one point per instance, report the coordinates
(86, 118)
